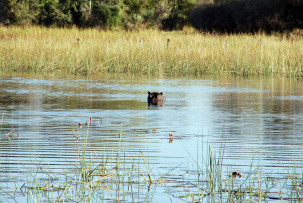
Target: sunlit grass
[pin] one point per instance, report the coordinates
(144, 52)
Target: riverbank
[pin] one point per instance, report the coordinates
(148, 52)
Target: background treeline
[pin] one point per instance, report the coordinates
(230, 16)
(130, 14)
(249, 16)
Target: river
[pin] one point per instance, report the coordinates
(252, 125)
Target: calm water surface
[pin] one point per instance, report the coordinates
(254, 122)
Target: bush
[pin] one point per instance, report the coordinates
(78, 11)
(19, 12)
(179, 14)
(116, 16)
(50, 14)
(105, 16)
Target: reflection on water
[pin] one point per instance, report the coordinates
(262, 118)
(253, 120)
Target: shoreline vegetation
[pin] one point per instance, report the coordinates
(149, 52)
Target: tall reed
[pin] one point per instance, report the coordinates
(148, 52)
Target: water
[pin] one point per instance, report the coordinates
(252, 124)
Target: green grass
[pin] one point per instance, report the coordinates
(148, 52)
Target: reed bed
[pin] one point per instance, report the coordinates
(148, 52)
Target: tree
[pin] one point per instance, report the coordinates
(105, 15)
(179, 12)
(79, 11)
(51, 13)
(23, 12)
(249, 16)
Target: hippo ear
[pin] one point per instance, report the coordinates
(161, 93)
(148, 92)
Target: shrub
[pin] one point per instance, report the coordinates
(50, 14)
(116, 16)
(20, 12)
(106, 16)
(179, 13)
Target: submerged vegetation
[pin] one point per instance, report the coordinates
(119, 176)
(149, 52)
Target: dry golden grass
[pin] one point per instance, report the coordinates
(187, 52)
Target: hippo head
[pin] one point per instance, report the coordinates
(155, 98)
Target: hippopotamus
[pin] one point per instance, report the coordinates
(155, 98)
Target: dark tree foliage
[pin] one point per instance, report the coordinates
(168, 14)
(78, 11)
(23, 12)
(249, 16)
(105, 15)
(141, 12)
(101, 15)
(179, 12)
(232, 16)
(51, 13)
(4, 11)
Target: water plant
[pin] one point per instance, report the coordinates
(92, 176)
(218, 182)
(117, 175)
(96, 178)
